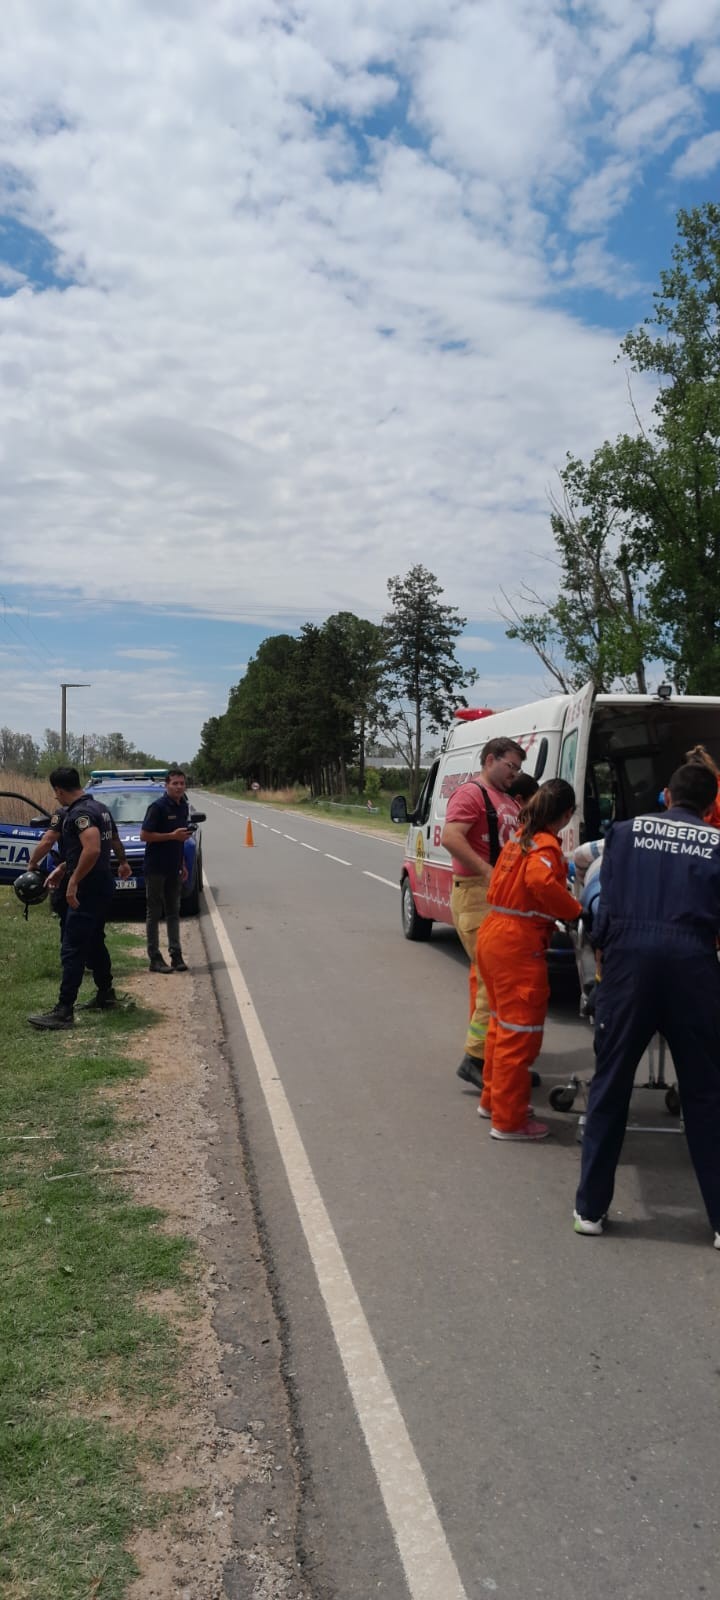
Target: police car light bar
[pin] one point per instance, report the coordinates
(129, 774)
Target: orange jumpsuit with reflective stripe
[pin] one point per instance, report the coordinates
(527, 893)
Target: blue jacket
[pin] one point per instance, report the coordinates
(660, 882)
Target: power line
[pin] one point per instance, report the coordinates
(15, 633)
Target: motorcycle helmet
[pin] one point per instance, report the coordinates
(30, 888)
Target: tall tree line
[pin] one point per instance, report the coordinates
(637, 528)
(309, 703)
(19, 752)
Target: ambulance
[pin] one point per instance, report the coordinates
(617, 751)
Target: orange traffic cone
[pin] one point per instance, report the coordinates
(249, 833)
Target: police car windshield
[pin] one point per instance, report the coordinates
(129, 807)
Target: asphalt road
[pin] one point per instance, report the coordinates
(560, 1395)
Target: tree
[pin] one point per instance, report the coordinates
(354, 659)
(599, 625)
(423, 681)
(18, 752)
(657, 493)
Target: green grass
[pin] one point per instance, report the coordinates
(76, 1256)
(353, 809)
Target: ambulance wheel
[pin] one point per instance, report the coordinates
(561, 1098)
(414, 926)
(672, 1101)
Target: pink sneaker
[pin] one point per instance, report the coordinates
(531, 1132)
(487, 1115)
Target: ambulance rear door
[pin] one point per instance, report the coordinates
(573, 757)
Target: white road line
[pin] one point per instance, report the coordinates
(291, 837)
(429, 1567)
(314, 847)
(276, 830)
(378, 879)
(341, 859)
(262, 824)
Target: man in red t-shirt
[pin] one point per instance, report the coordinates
(480, 818)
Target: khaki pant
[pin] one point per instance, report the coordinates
(468, 903)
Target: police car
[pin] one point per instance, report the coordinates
(19, 835)
(126, 793)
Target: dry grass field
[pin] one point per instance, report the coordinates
(36, 789)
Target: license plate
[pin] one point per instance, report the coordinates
(126, 883)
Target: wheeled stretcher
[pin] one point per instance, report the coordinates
(563, 1096)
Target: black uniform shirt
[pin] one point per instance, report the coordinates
(164, 816)
(660, 881)
(76, 818)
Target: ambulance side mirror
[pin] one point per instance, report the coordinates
(198, 816)
(398, 809)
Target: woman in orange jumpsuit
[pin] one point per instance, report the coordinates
(527, 893)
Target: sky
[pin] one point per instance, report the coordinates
(295, 294)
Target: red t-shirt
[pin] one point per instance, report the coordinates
(467, 804)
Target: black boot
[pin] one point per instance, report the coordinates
(59, 1018)
(103, 1000)
(470, 1070)
(177, 963)
(159, 964)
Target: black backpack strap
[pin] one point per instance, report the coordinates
(492, 820)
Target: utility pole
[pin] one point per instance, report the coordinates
(63, 711)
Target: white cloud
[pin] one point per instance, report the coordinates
(10, 278)
(161, 712)
(474, 644)
(683, 22)
(281, 374)
(601, 196)
(150, 654)
(700, 157)
(708, 72)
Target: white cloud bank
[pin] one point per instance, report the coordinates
(283, 372)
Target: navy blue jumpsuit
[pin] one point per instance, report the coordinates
(657, 928)
(83, 934)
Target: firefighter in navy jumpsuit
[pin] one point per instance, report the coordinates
(657, 929)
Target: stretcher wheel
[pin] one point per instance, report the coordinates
(672, 1101)
(562, 1098)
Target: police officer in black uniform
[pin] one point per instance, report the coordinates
(57, 880)
(164, 832)
(86, 842)
(657, 929)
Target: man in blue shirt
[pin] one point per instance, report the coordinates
(164, 832)
(657, 929)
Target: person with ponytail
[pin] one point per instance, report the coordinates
(526, 895)
(700, 757)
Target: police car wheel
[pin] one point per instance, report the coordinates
(414, 926)
(190, 903)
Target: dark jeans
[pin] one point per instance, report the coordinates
(162, 890)
(671, 989)
(83, 944)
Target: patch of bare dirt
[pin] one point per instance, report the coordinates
(229, 1462)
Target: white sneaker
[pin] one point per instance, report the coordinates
(716, 1241)
(584, 1225)
(529, 1134)
(488, 1115)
